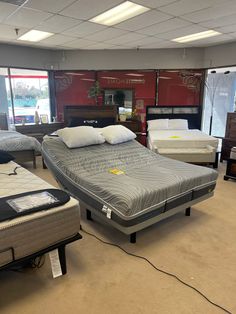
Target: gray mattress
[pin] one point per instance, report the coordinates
(148, 181)
(31, 233)
(14, 141)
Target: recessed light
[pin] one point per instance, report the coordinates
(35, 35)
(196, 36)
(119, 13)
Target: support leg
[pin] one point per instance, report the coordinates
(215, 164)
(44, 165)
(188, 211)
(133, 237)
(34, 162)
(62, 257)
(88, 215)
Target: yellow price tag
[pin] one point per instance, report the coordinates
(174, 136)
(116, 171)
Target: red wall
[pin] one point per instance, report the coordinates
(71, 88)
(180, 88)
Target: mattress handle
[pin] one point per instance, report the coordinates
(9, 249)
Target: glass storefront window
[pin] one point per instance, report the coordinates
(30, 93)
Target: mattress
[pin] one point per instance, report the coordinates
(31, 233)
(127, 179)
(13, 141)
(181, 139)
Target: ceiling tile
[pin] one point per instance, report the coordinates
(154, 3)
(56, 40)
(27, 18)
(6, 9)
(57, 24)
(8, 32)
(86, 9)
(165, 26)
(227, 29)
(54, 6)
(79, 43)
(100, 46)
(187, 6)
(163, 44)
(181, 32)
(143, 42)
(144, 20)
(211, 13)
(211, 41)
(125, 38)
(222, 21)
(107, 34)
(84, 29)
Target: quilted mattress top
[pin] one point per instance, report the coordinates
(127, 177)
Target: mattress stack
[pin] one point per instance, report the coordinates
(233, 153)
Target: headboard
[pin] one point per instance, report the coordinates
(3, 121)
(190, 113)
(97, 116)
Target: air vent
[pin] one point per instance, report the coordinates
(16, 2)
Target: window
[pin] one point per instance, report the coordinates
(30, 93)
(5, 94)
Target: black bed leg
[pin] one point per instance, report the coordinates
(187, 211)
(62, 257)
(88, 215)
(133, 237)
(215, 164)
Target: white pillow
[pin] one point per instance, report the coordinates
(80, 136)
(157, 124)
(115, 134)
(178, 124)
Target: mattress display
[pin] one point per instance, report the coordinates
(127, 179)
(164, 139)
(28, 234)
(14, 141)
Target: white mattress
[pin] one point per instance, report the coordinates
(31, 233)
(180, 139)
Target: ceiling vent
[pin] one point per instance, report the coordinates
(16, 2)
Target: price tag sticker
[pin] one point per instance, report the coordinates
(116, 171)
(55, 263)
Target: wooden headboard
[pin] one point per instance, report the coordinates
(190, 113)
(97, 116)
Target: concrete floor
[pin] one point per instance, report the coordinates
(200, 249)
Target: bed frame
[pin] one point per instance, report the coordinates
(99, 114)
(24, 156)
(26, 260)
(190, 113)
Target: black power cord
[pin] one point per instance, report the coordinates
(158, 269)
(14, 173)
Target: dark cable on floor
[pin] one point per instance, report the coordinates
(158, 269)
(14, 173)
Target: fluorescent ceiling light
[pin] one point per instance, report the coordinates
(134, 74)
(196, 36)
(73, 73)
(109, 77)
(35, 35)
(120, 13)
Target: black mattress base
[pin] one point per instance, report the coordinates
(60, 246)
(148, 222)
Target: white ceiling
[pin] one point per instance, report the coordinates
(166, 20)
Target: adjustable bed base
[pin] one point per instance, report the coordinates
(24, 238)
(74, 168)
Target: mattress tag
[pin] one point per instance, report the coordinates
(55, 263)
(107, 210)
(116, 171)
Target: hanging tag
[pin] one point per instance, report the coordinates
(55, 263)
